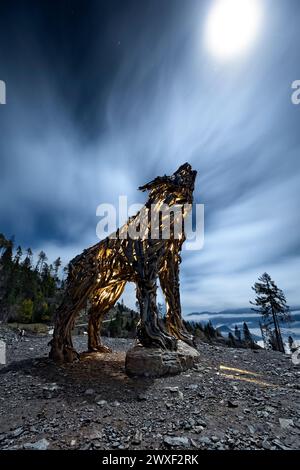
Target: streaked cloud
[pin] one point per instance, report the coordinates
(142, 107)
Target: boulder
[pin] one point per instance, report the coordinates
(155, 362)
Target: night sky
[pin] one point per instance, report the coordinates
(102, 96)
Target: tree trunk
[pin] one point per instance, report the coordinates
(277, 332)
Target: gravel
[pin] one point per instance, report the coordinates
(234, 399)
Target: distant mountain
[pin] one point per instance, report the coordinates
(235, 311)
(200, 313)
(225, 320)
(225, 330)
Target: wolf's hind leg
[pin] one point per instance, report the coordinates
(62, 349)
(75, 299)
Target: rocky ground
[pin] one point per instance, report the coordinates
(234, 399)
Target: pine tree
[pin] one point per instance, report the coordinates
(231, 340)
(42, 258)
(7, 279)
(18, 255)
(26, 293)
(27, 263)
(57, 265)
(6, 258)
(265, 333)
(247, 335)
(209, 330)
(271, 304)
(3, 243)
(237, 333)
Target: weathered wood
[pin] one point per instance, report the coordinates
(100, 273)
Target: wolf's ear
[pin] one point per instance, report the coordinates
(160, 180)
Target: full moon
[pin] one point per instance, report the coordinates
(232, 27)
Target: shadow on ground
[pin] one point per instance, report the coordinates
(102, 374)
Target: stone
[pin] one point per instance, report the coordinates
(263, 414)
(198, 429)
(286, 423)
(42, 444)
(95, 434)
(232, 404)
(279, 444)
(137, 438)
(115, 444)
(266, 445)
(191, 387)
(205, 440)
(176, 441)
(220, 446)
(100, 402)
(49, 390)
(89, 391)
(142, 397)
(155, 362)
(86, 446)
(251, 429)
(172, 389)
(51, 387)
(17, 432)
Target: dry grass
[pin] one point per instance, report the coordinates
(36, 328)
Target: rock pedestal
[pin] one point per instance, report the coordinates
(155, 362)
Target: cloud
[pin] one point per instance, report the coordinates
(142, 107)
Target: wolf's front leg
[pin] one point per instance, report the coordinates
(150, 332)
(169, 282)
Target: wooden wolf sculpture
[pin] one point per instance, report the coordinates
(99, 274)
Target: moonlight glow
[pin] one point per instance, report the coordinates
(232, 27)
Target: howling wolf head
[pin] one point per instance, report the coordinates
(175, 189)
